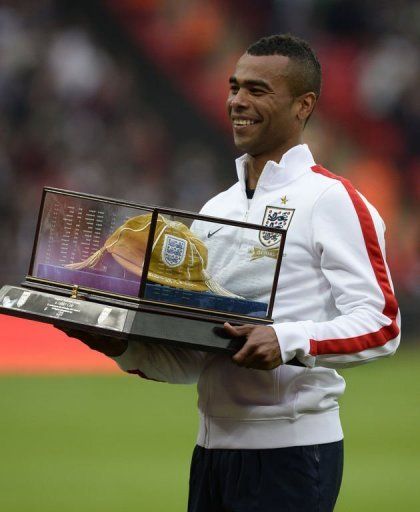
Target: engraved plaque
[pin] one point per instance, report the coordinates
(37, 305)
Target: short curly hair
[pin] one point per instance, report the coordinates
(305, 73)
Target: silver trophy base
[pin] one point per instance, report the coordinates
(117, 322)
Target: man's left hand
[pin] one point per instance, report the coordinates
(261, 350)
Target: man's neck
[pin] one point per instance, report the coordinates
(256, 164)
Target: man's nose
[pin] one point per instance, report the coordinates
(240, 99)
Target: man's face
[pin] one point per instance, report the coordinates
(260, 105)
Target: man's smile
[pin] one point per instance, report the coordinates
(240, 123)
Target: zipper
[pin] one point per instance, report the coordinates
(241, 237)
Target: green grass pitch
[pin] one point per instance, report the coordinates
(119, 443)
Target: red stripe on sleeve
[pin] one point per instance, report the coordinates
(386, 333)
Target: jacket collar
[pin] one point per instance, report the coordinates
(295, 162)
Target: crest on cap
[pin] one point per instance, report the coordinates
(174, 250)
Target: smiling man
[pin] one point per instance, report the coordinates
(268, 105)
(270, 437)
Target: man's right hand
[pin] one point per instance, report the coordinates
(109, 346)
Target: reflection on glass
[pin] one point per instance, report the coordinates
(188, 261)
(80, 242)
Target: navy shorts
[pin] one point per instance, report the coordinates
(297, 479)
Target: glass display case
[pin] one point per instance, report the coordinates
(147, 273)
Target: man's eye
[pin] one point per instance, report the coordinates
(234, 89)
(257, 92)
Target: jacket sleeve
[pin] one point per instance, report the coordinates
(162, 363)
(348, 239)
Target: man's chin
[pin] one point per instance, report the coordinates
(243, 144)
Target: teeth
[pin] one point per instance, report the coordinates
(242, 122)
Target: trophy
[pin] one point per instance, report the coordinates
(157, 275)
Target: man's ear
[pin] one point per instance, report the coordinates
(306, 105)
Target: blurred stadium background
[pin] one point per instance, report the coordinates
(125, 98)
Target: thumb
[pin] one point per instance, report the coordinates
(238, 330)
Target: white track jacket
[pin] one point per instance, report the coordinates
(334, 308)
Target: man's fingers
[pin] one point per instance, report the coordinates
(261, 350)
(245, 355)
(88, 338)
(108, 345)
(251, 357)
(238, 330)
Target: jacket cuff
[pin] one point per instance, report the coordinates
(293, 338)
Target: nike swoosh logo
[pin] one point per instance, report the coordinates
(210, 234)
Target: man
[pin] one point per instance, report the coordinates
(270, 437)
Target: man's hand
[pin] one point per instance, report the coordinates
(261, 350)
(111, 347)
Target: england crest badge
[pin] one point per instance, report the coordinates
(174, 250)
(275, 217)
